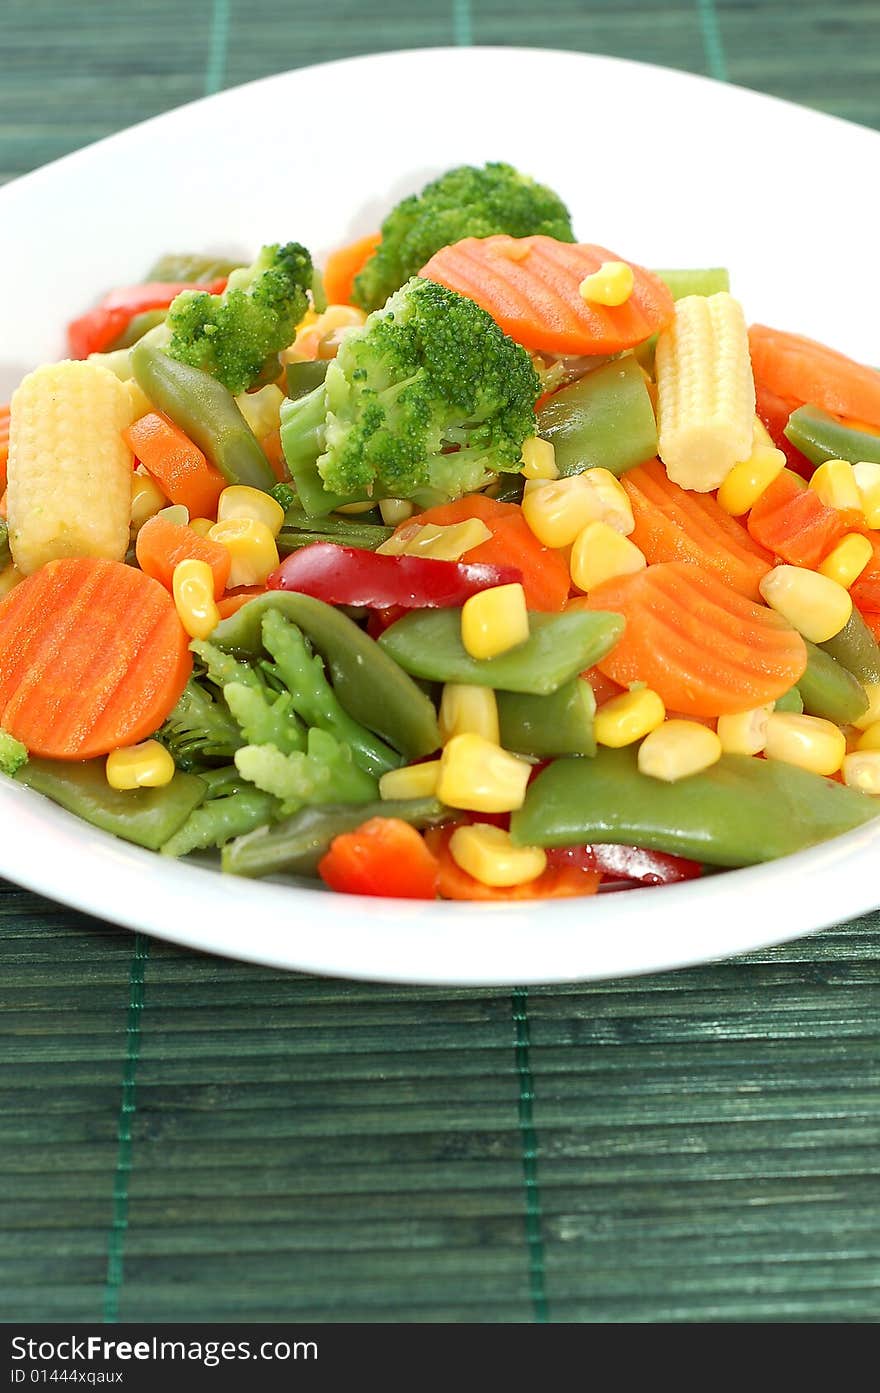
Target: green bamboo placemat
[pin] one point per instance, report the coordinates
(184, 1138)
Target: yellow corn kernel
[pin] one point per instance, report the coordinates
(140, 402)
(539, 459)
(627, 718)
(440, 543)
(744, 732)
(494, 621)
(413, 781)
(9, 578)
(869, 739)
(488, 854)
(396, 510)
(612, 284)
(251, 546)
(532, 485)
(262, 409)
(845, 562)
(600, 553)
(478, 775)
(807, 741)
(354, 508)
(835, 483)
(867, 476)
(192, 585)
(175, 513)
(677, 749)
(761, 435)
(872, 692)
(147, 499)
(813, 604)
(466, 710)
(148, 765)
(201, 526)
(558, 511)
(705, 391)
(862, 771)
(750, 478)
(69, 470)
(240, 501)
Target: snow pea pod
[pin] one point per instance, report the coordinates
(206, 412)
(820, 437)
(605, 418)
(145, 816)
(428, 644)
(560, 723)
(829, 690)
(370, 685)
(739, 812)
(296, 845)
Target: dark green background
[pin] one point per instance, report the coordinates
(187, 1138)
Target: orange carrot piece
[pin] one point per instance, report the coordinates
(673, 524)
(4, 444)
(179, 466)
(92, 657)
(792, 522)
(704, 648)
(546, 581)
(531, 287)
(233, 600)
(271, 444)
(344, 264)
(555, 883)
(865, 590)
(808, 372)
(162, 544)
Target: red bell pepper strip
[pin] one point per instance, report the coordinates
(554, 883)
(352, 576)
(98, 328)
(626, 863)
(384, 856)
(774, 413)
(791, 521)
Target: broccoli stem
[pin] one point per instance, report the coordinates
(302, 672)
(264, 721)
(215, 822)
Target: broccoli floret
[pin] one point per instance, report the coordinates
(199, 729)
(220, 819)
(326, 773)
(465, 202)
(264, 717)
(232, 335)
(12, 754)
(427, 401)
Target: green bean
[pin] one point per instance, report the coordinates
(828, 690)
(604, 419)
(560, 723)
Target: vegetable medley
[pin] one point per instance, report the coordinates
(481, 563)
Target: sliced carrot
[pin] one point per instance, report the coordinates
(545, 575)
(704, 648)
(233, 600)
(4, 444)
(162, 544)
(92, 657)
(556, 882)
(531, 287)
(176, 463)
(793, 523)
(806, 371)
(673, 524)
(344, 264)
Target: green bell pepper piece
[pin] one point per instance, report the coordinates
(145, 816)
(206, 412)
(296, 845)
(369, 684)
(739, 812)
(560, 723)
(427, 643)
(699, 282)
(820, 437)
(829, 690)
(856, 649)
(604, 419)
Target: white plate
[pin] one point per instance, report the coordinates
(681, 171)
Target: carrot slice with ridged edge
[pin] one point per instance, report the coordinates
(703, 647)
(92, 657)
(673, 524)
(808, 372)
(531, 288)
